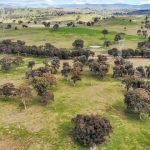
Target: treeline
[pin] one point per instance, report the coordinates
(47, 50)
(143, 50)
(128, 53)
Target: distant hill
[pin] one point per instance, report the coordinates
(75, 6)
(139, 12)
(108, 6)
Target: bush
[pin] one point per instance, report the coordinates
(76, 72)
(83, 59)
(138, 100)
(91, 130)
(66, 69)
(40, 84)
(55, 64)
(50, 78)
(132, 82)
(102, 58)
(8, 89)
(78, 43)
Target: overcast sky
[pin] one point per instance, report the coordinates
(51, 2)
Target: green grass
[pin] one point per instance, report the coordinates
(48, 128)
(122, 22)
(64, 37)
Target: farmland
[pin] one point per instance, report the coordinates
(49, 127)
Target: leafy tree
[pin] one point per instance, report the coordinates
(138, 100)
(66, 69)
(91, 130)
(50, 78)
(100, 68)
(6, 63)
(145, 34)
(55, 64)
(76, 72)
(118, 71)
(105, 32)
(82, 59)
(56, 26)
(78, 44)
(117, 38)
(20, 21)
(107, 43)
(40, 84)
(35, 22)
(132, 82)
(102, 58)
(24, 26)
(9, 26)
(47, 24)
(8, 89)
(141, 71)
(139, 32)
(31, 64)
(89, 24)
(113, 52)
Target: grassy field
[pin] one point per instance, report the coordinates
(48, 128)
(64, 37)
(83, 17)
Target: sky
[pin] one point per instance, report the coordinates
(53, 2)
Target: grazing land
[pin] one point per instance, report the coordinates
(49, 127)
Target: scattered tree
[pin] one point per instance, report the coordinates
(91, 130)
(138, 100)
(78, 44)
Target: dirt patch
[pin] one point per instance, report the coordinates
(9, 145)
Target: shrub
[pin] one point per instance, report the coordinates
(91, 130)
(78, 44)
(66, 69)
(8, 89)
(55, 64)
(102, 58)
(6, 63)
(40, 84)
(83, 59)
(50, 78)
(76, 72)
(133, 82)
(56, 26)
(104, 32)
(138, 100)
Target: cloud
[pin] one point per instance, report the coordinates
(145, 2)
(51, 2)
(86, 1)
